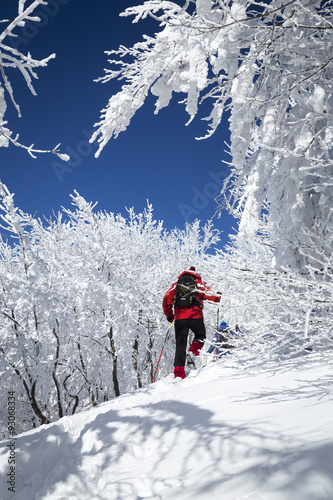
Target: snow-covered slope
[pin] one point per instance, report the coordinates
(227, 432)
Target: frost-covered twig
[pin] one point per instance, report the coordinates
(30, 149)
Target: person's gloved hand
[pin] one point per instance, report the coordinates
(170, 319)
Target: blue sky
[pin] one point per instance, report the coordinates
(157, 158)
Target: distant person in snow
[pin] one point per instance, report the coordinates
(221, 343)
(183, 303)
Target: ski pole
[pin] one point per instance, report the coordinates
(217, 332)
(159, 359)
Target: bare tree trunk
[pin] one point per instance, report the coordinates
(54, 374)
(115, 364)
(135, 355)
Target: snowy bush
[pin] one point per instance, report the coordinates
(283, 313)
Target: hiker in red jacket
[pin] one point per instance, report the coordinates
(186, 296)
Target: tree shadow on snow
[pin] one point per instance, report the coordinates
(150, 450)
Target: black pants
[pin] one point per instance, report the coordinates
(182, 327)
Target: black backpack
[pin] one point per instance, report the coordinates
(186, 292)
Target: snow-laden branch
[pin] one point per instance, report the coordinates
(10, 57)
(30, 149)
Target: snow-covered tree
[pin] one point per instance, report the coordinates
(283, 314)
(269, 65)
(10, 57)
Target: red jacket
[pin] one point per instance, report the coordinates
(191, 312)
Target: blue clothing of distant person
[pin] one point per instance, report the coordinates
(220, 344)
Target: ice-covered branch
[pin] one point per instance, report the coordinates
(10, 57)
(30, 149)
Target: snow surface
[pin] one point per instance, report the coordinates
(230, 431)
